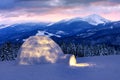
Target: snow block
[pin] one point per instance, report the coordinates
(39, 50)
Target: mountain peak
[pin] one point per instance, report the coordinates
(95, 19)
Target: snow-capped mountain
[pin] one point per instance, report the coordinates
(102, 33)
(91, 19)
(80, 28)
(95, 19)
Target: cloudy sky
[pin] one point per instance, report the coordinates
(55, 10)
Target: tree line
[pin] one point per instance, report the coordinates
(83, 50)
(8, 51)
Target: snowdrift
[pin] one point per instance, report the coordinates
(39, 50)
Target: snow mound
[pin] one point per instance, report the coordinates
(40, 49)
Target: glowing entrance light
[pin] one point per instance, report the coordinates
(73, 62)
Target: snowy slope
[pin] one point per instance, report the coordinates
(88, 29)
(45, 33)
(105, 68)
(95, 19)
(4, 26)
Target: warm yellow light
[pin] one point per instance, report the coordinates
(39, 49)
(73, 62)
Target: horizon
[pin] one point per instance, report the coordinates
(13, 11)
(45, 21)
(42, 21)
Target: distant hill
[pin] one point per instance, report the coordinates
(92, 29)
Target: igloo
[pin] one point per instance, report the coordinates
(40, 49)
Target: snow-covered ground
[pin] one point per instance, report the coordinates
(103, 68)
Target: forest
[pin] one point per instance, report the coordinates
(8, 50)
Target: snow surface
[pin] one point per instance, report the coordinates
(4, 26)
(50, 24)
(44, 33)
(95, 19)
(105, 68)
(60, 32)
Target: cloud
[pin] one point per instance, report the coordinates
(40, 3)
(28, 4)
(6, 4)
(80, 2)
(56, 9)
(116, 1)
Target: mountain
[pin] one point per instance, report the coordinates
(95, 19)
(68, 27)
(4, 26)
(18, 32)
(104, 33)
(92, 29)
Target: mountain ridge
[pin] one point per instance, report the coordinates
(66, 28)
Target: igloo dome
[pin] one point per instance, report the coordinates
(40, 49)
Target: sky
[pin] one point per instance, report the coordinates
(12, 11)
